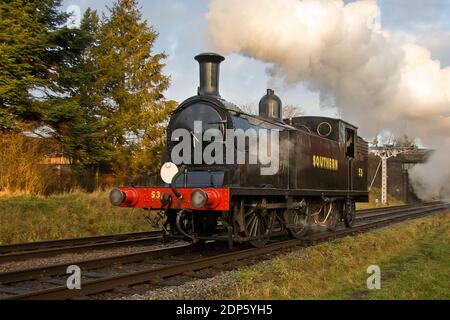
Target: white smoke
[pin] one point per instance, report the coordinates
(377, 79)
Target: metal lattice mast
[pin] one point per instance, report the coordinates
(385, 153)
(384, 180)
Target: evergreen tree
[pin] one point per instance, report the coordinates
(99, 87)
(131, 84)
(73, 115)
(32, 44)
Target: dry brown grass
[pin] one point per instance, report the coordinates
(21, 170)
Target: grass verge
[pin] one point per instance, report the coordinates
(414, 258)
(26, 218)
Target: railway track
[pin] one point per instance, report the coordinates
(155, 266)
(386, 211)
(42, 249)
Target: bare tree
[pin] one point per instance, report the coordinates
(375, 142)
(291, 111)
(249, 107)
(405, 141)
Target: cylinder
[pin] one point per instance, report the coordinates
(209, 73)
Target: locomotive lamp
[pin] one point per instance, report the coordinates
(168, 172)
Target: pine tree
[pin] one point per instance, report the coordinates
(131, 85)
(99, 87)
(32, 44)
(72, 115)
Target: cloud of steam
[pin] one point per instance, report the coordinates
(377, 79)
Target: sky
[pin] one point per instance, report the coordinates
(183, 34)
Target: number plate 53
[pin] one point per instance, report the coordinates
(155, 195)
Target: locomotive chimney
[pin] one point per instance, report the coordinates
(209, 73)
(270, 106)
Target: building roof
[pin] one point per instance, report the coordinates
(412, 156)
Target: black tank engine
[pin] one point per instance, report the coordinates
(311, 176)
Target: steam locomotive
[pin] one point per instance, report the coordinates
(320, 171)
